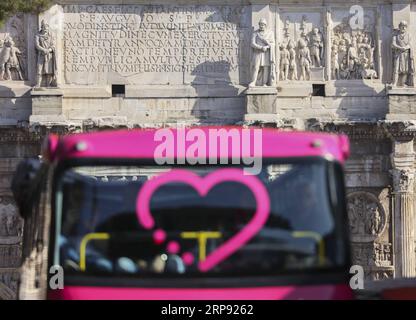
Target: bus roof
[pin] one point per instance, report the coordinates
(143, 143)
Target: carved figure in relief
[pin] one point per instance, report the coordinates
(46, 54)
(353, 58)
(284, 62)
(403, 63)
(369, 50)
(316, 46)
(374, 222)
(10, 60)
(304, 60)
(263, 61)
(293, 68)
(343, 49)
(353, 215)
(10, 224)
(303, 38)
(286, 27)
(335, 62)
(366, 215)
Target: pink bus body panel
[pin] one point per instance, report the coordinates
(321, 292)
(141, 144)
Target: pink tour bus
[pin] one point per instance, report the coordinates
(196, 213)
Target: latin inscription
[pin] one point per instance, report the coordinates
(132, 41)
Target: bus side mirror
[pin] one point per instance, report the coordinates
(27, 184)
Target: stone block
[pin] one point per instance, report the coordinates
(261, 100)
(294, 89)
(317, 73)
(401, 104)
(47, 101)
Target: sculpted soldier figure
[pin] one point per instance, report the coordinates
(10, 60)
(304, 60)
(293, 72)
(284, 62)
(46, 63)
(403, 64)
(316, 47)
(335, 62)
(263, 61)
(353, 58)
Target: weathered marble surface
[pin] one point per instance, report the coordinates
(155, 44)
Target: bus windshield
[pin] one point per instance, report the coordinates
(144, 221)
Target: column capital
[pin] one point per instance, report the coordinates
(403, 180)
(403, 169)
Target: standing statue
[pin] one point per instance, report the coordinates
(353, 59)
(46, 63)
(304, 60)
(284, 62)
(10, 61)
(335, 62)
(403, 64)
(316, 46)
(293, 67)
(263, 61)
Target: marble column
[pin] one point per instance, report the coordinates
(403, 158)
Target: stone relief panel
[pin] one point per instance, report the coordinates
(13, 50)
(156, 44)
(381, 274)
(367, 217)
(11, 225)
(8, 285)
(353, 46)
(373, 254)
(301, 46)
(370, 240)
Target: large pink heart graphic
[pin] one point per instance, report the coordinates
(203, 185)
